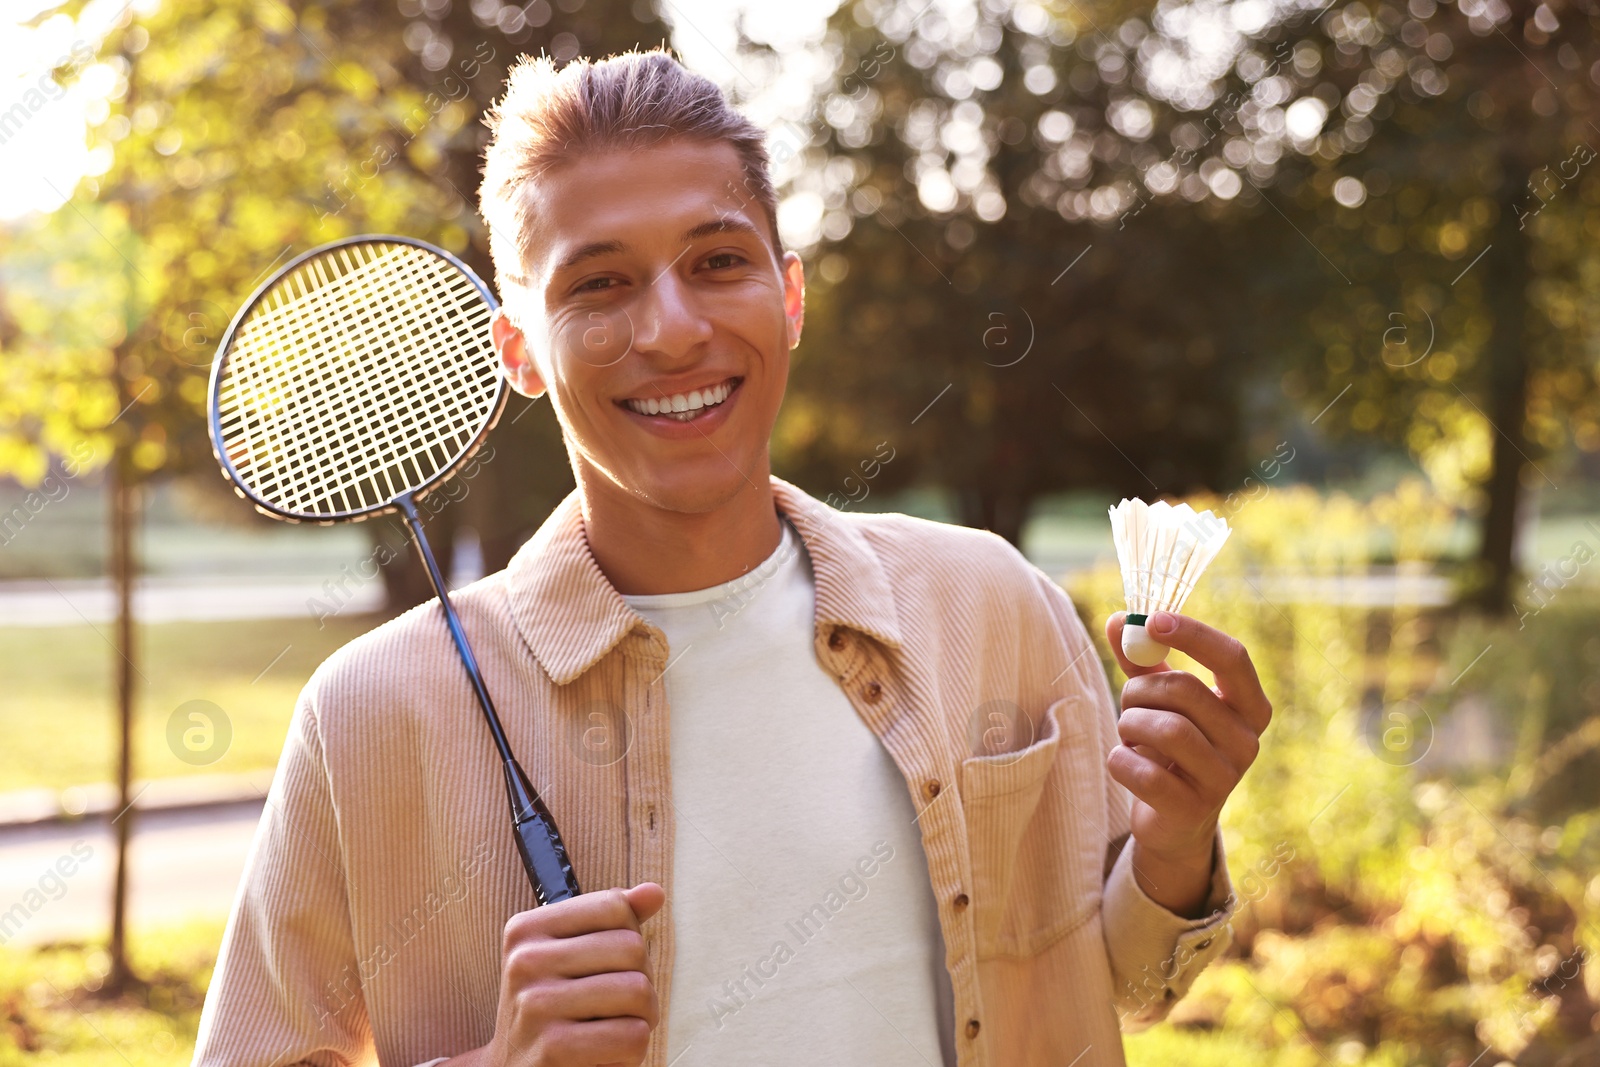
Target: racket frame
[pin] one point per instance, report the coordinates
(225, 349)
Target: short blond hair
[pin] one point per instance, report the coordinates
(630, 100)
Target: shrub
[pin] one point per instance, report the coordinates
(1395, 907)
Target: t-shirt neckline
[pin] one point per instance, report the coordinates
(788, 545)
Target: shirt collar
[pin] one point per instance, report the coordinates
(570, 614)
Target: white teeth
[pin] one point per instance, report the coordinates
(682, 402)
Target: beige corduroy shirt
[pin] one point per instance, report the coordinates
(370, 919)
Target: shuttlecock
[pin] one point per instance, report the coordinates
(1162, 551)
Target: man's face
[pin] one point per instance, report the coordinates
(653, 277)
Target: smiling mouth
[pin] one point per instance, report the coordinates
(684, 407)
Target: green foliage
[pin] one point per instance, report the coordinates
(1418, 333)
(1393, 909)
(951, 315)
(1282, 226)
(241, 133)
(60, 314)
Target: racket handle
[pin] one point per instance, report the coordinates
(544, 857)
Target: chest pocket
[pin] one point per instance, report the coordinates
(1035, 821)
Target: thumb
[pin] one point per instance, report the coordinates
(646, 899)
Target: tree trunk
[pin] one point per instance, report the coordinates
(405, 582)
(1506, 403)
(124, 518)
(999, 511)
(125, 510)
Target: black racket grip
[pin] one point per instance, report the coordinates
(544, 857)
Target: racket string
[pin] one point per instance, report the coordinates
(396, 386)
(358, 378)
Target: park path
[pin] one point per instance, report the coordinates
(72, 602)
(184, 863)
(75, 601)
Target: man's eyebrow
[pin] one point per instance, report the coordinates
(589, 251)
(726, 224)
(723, 224)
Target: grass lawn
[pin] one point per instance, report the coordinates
(53, 1013)
(58, 697)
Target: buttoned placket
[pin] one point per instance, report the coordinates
(647, 779)
(866, 682)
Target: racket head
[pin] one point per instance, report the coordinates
(361, 371)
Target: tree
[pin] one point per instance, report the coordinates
(1455, 127)
(995, 302)
(1215, 139)
(263, 129)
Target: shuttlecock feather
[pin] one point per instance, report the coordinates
(1162, 551)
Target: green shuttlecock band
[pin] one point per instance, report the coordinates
(1132, 619)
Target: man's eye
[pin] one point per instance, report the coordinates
(724, 259)
(595, 285)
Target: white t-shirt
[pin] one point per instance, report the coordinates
(806, 927)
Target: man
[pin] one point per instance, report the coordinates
(841, 789)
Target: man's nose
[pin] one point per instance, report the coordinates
(669, 320)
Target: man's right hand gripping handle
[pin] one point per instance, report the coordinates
(575, 990)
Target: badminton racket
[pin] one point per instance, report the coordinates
(354, 381)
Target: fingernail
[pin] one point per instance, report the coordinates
(1162, 623)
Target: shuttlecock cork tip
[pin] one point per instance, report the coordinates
(1139, 647)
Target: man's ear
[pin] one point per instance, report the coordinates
(794, 297)
(513, 351)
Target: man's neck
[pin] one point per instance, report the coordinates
(643, 549)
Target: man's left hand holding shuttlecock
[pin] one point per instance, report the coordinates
(1185, 746)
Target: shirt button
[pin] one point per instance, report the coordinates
(874, 692)
(961, 901)
(972, 1028)
(836, 640)
(932, 788)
